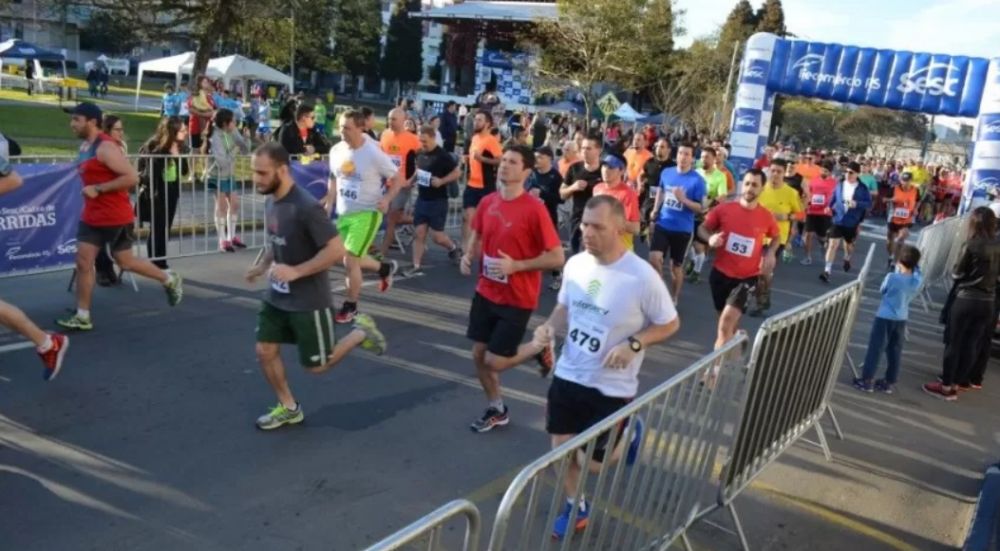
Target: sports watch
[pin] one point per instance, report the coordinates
(634, 344)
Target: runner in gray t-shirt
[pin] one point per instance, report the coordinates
(297, 308)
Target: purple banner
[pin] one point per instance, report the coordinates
(38, 221)
(312, 176)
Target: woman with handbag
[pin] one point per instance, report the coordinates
(159, 184)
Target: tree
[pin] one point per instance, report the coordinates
(403, 59)
(357, 32)
(883, 131)
(811, 123)
(104, 32)
(771, 18)
(739, 25)
(269, 35)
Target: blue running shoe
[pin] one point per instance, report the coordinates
(562, 521)
(636, 444)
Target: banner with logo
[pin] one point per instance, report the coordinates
(312, 175)
(38, 221)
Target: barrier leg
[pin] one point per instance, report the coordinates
(686, 543)
(850, 361)
(72, 280)
(739, 528)
(836, 424)
(821, 436)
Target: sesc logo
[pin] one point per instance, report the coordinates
(921, 81)
(989, 129)
(988, 186)
(746, 123)
(69, 247)
(806, 63)
(755, 72)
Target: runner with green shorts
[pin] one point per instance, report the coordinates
(357, 168)
(298, 304)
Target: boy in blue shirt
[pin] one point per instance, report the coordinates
(898, 289)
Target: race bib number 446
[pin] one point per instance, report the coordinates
(818, 200)
(740, 245)
(901, 213)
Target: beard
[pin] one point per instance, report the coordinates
(271, 187)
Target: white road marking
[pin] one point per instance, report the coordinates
(16, 346)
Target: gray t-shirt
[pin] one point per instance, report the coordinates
(297, 229)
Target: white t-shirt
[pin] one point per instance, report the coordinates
(606, 305)
(849, 189)
(359, 174)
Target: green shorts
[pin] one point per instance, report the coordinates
(358, 230)
(312, 332)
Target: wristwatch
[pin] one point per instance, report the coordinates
(634, 344)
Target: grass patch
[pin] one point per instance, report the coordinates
(44, 130)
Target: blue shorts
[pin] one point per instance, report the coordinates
(224, 185)
(432, 212)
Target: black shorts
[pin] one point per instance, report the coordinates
(846, 233)
(697, 238)
(818, 224)
(195, 142)
(894, 228)
(730, 291)
(118, 238)
(673, 244)
(472, 196)
(501, 327)
(433, 212)
(573, 408)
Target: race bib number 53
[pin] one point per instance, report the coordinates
(740, 245)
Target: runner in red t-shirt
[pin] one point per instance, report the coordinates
(517, 241)
(818, 193)
(738, 230)
(107, 219)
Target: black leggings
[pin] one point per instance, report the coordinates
(163, 209)
(969, 327)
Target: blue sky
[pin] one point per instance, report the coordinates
(956, 27)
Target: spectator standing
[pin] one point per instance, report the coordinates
(159, 184)
(449, 126)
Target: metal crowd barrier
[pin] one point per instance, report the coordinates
(940, 245)
(650, 503)
(429, 528)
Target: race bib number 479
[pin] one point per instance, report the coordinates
(590, 338)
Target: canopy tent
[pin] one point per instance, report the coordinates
(563, 107)
(627, 113)
(229, 68)
(661, 118)
(19, 49)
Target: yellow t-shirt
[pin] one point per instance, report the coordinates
(782, 201)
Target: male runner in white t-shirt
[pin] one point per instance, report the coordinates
(611, 307)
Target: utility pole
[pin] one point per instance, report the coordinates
(729, 84)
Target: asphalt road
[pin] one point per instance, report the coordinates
(146, 440)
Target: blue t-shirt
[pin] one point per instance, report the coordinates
(897, 292)
(675, 216)
(171, 105)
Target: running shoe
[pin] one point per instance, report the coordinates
(885, 387)
(492, 417)
(546, 360)
(385, 283)
(53, 359)
(693, 277)
(413, 271)
(847, 265)
(562, 521)
(556, 284)
(346, 314)
(825, 276)
(278, 416)
(238, 243)
(636, 444)
(786, 256)
(807, 261)
(797, 241)
(455, 255)
(863, 385)
(374, 339)
(76, 322)
(174, 289)
(226, 246)
(688, 267)
(937, 390)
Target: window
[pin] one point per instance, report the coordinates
(19, 31)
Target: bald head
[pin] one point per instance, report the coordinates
(397, 119)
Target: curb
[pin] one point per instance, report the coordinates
(984, 534)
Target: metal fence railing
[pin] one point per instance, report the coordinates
(642, 501)
(427, 532)
(940, 245)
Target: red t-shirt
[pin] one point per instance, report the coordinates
(628, 198)
(820, 194)
(197, 123)
(743, 232)
(113, 208)
(522, 229)
(762, 163)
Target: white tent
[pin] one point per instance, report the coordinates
(229, 68)
(627, 113)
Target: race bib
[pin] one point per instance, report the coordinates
(900, 212)
(740, 245)
(670, 200)
(423, 178)
(492, 270)
(348, 188)
(396, 160)
(588, 336)
(818, 200)
(278, 286)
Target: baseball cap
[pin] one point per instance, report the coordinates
(906, 176)
(611, 161)
(86, 110)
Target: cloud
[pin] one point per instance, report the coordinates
(958, 27)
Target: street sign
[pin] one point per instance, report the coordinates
(608, 104)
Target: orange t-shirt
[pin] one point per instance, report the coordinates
(482, 143)
(399, 148)
(628, 198)
(636, 160)
(564, 165)
(808, 172)
(904, 203)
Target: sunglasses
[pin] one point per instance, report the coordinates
(851, 172)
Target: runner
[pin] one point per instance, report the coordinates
(650, 178)
(636, 157)
(737, 230)
(849, 203)
(784, 204)
(612, 308)
(613, 184)
(51, 347)
(716, 190)
(819, 216)
(513, 233)
(436, 169)
(679, 199)
(298, 305)
(902, 208)
(581, 178)
(357, 167)
(108, 217)
(401, 146)
(545, 183)
(484, 157)
(806, 167)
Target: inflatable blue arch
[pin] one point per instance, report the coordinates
(935, 84)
